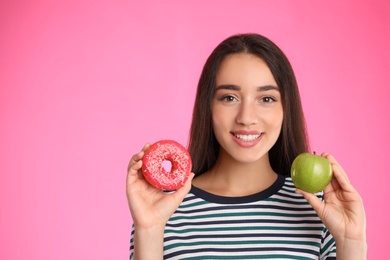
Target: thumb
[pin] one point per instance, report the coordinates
(313, 200)
(180, 193)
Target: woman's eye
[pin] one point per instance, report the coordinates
(267, 99)
(228, 98)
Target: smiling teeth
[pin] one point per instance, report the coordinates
(247, 137)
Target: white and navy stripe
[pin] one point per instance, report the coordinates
(274, 224)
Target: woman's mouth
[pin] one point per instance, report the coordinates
(247, 138)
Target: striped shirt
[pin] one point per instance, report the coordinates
(276, 223)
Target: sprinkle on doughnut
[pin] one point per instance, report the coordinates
(154, 171)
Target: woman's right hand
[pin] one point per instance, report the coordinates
(149, 206)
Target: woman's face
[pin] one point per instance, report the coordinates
(247, 111)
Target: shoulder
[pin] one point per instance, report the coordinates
(289, 187)
(289, 190)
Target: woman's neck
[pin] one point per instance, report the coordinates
(231, 178)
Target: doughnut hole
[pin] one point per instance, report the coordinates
(167, 165)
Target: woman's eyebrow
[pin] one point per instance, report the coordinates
(228, 86)
(267, 87)
(235, 87)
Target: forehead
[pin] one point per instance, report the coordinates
(244, 69)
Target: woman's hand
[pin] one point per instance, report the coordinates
(342, 212)
(150, 207)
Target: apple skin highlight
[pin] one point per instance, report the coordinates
(311, 173)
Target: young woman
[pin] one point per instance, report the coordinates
(247, 128)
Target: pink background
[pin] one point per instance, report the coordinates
(84, 84)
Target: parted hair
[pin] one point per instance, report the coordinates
(293, 140)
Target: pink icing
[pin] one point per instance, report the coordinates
(154, 171)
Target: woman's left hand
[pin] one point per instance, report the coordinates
(342, 210)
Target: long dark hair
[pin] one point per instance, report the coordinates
(203, 146)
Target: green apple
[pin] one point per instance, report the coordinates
(310, 172)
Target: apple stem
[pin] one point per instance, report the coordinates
(314, 152)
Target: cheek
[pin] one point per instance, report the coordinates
(221, 123)
(280, 117)
(217, 122)
(279, 122)
(218, 117)
(274, 120)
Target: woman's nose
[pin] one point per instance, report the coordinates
(247, 114)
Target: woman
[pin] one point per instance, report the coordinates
(246, 130)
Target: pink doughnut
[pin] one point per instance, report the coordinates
(155, 173)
